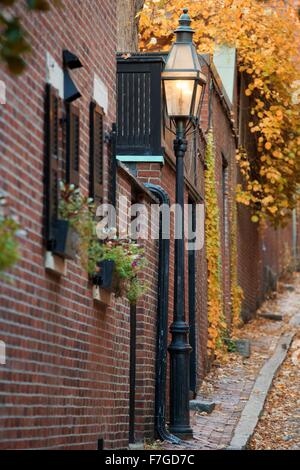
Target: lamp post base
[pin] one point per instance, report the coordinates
(179, 351)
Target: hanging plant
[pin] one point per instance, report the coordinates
(129, 261)
(9, 244)
(97, 246)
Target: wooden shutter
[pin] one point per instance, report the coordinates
(52, 107)
(72, 145)
(96, 152)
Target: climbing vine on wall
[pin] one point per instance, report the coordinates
(217, 325)
(236, 290)
(267, 37)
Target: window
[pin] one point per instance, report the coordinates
(96, 152)
(72, 144)
(52, 118)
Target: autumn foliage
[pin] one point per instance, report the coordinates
(216, 321)
(266, 35)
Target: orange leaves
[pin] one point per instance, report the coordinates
(268, 55)
(213, 254)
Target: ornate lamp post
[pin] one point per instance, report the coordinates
(183, 89)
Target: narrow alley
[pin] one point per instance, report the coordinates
(149, 227)
(230, 385)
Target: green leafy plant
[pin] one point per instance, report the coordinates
(13, 39)
(127, 254)
(230, 344)
(9, 245)
(129, 260)
(80, 211)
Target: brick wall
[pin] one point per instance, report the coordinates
(263, 254)
(66, 381)
(225, 146)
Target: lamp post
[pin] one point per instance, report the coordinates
(183, 89)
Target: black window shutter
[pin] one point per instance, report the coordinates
(139, 98)
(72, 145)
(52, 108)
(96, 152)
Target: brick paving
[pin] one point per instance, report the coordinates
(230, 384)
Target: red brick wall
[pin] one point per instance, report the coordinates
(66, 381)
(262, 254)
(225, 162)
(146, 342)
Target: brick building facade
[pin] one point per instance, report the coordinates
(78, 374)
(66, 379)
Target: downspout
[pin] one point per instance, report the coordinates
(132, 374)
(162, 325)
(112, 139)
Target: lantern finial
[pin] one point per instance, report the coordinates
(184, 22)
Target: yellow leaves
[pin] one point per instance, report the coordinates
(213, 333)
(243, 198)
(256, 186)
(258, 82)
(273, 209)
(285, 203)
(268, 56)
(260, 104)
(267, 200)
(254, 219)
(213, 252)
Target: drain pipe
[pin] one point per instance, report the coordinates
(162, 325)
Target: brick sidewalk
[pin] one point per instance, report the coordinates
(230, 385)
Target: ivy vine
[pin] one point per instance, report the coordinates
(217, 324)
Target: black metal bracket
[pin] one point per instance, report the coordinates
(180, 146)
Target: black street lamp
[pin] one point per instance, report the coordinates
(183, 90)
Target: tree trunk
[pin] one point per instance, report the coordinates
(127, 33)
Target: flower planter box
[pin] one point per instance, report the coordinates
(105, 278)
(65, 239)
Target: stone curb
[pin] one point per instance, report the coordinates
(254, 407)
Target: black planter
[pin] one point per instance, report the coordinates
(65, 242)
(105, 277)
